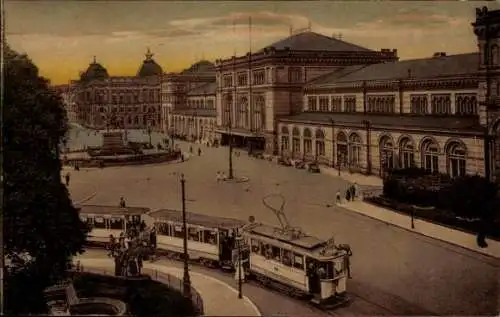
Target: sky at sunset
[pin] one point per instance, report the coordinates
(63, 36)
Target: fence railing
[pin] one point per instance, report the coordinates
(164, 278)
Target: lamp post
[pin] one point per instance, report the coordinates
(412, 214)
(186, 280)
(171, 132)
(230, 136)
(239, 238)
(149, 132)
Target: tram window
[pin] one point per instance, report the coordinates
(298, 261)
(210, 237)
(99, 223)
(255, 245)
(193, 234)
(162, 228)
(276, 253)
(116, 224)
(178, 232)
(286, 257)
(325, 269)
(265, 250)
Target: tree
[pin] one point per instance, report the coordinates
(39, 217)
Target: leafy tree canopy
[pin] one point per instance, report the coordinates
(39, 217)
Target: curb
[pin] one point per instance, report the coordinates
(416, 231)
(81, 201)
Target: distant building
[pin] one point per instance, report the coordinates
(188, 103)
(129, 101)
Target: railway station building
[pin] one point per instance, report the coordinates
(317, 98)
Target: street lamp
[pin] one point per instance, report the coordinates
(186, 280)
(149, 132)
(239, 239)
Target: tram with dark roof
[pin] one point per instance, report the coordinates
(105, 221)
(211, 240)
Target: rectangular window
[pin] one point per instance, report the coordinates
(178, 232)
(296, 145)
(259, 77)
(466, 104)
(227, 81)
(350, 104)
(381, 104)
(307, 146)
(298, 261)
(210, 237)
(255, 245)
(286, 257)
(323, 103)
(336, 104)
(242, 79)
(312, 103)
(441, 104)
(276, 253)
(295, 75)
(284, 143)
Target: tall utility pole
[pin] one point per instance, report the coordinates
(240, 265)
(186, 280)
(487, 138)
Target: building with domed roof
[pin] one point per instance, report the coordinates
(149, 67)
(133, 100)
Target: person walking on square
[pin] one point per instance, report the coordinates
(67, 179)
(122, 202)
(199, 151)
(219, 176)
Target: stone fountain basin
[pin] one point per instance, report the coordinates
(99, 306)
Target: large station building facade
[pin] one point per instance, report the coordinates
(318, 98)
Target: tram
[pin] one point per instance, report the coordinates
(211, 240)
(105, 221)
(298, 264)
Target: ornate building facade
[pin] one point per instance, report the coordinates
(256, 90)
(316, 98)
(129, 101)
(188, 103)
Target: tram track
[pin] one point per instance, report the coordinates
(350, 308)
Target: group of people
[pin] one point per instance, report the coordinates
(351, 194)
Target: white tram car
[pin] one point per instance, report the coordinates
(211, 240)
(297, 263)
(108, 220)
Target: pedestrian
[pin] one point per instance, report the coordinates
(338, 197)
(122, 202)
(219, 177)
(182, 157)
(348, 195)
(191, 149)
(199, 151)
(347, 248)
(67, 179)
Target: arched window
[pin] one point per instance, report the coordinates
(226, 119)
(259, 113)
(354, 150)
(406, 153)
(430, 156)
(285, 136)
(241, 113)
(342, 149)
(320, 142)
(296, 140)
(386, 152)
(456, 159)
(307, 141)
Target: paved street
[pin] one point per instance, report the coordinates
(403, 272)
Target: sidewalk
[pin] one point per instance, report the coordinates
(360, 179)
(219, 298)
(459, 238)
